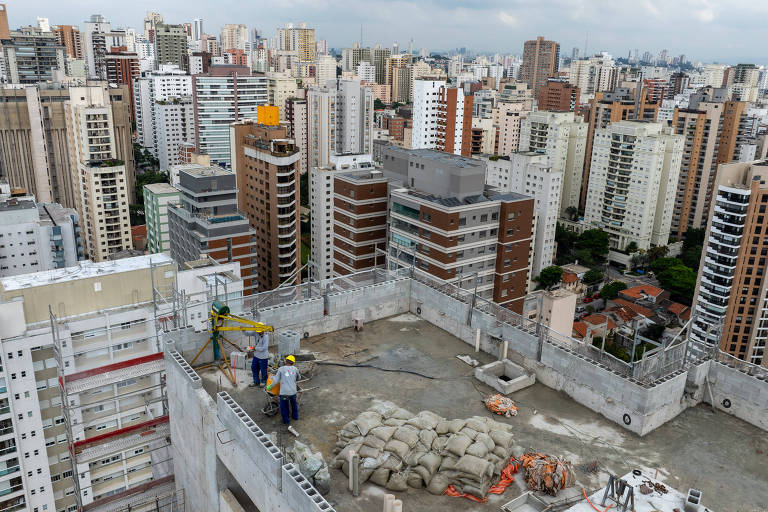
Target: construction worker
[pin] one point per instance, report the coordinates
(260, 358)
(287, 376)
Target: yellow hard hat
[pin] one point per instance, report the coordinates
(290, 358)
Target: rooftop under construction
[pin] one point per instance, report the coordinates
(395, 337)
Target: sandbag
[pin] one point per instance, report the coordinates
(426, 437)
(393, 422)
(365, 474)
(393, 463)
(400, 414)
(497, 425)
(438, 484)
(500, 451)
(438, 445)
(504, 439)
(322, 481)
(443, 427)
(407, 434)
(367, 451)
(366, 421)
(384, 433)
(371, 463)
(456, 426)
(374, 442)
(474, 467)
(380, 477)
(517, 451)
(383, 408)
(479, 490)
(478, 423)
(430, 419)
(457, 444)
(399, 448)
(430, 461)
(477, 449)
(344, 454)
(397, 482)
(424, 473)
(448, 463)
(470, 433)
(414, 480)
(413, 457)
(486, 440)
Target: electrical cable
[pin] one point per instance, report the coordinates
(343, 365)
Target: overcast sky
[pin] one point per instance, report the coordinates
(729, 31)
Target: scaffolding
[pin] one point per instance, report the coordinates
(137, 380)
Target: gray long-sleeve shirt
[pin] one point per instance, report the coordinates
(287, 376)
(260, 344)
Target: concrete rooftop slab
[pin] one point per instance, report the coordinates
(722, 456)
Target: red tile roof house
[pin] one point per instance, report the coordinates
(644, 292)
(681, 311)
(596, 324)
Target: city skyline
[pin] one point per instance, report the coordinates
(589, 24)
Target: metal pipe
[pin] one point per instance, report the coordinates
(397, 506)
(349, 460)
(506, 348)
(354, 471)
(477, 341)
(389, 499)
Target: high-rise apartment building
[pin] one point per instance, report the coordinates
(449, 225)
(359, 221)
(31, 56)
(170, 45)
(89, 378)
(531, 174)
(454, 121)
(299, 39)
(507, 118)
(123, 68)
(632, 185)
(731, 294)
(101, 179)
(340, 121)
(69, 37)
(224, 95)
(234, 37)
(595, 74)
(741, 82)
(426, 111)
(37, 237)
(94, 43)
(197, 29)
(34, 140)
(280, 87)
(174, 125)
(266, 164)
(207, 222)
(562, 137)
(559, 95)
(711, 129)
(157, 197)
(377, 56)
(541, 60)
(5, 32)
(322, 205)
(609, 107)
(296, 121)
(163, 86)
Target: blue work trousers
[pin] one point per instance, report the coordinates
(284, 401)
(259, 367)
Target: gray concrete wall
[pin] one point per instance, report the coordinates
(738, 394)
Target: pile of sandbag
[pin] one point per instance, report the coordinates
(398, 449)
(547, 473)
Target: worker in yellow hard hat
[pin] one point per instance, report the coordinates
(288, 376)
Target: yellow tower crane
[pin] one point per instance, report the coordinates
(219, 320)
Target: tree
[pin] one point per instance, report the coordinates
(572, 213)
(611, 290)
(662, 264)
(653, 332)
(595, 241)
(550, 276)
(680, 281)
(378, 104)
(631, 247)
(654, 253)
(591, 277)
(638, 259)
(693, 237)
(691, 257)
(566, 240)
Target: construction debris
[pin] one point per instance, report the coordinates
(311, 465)
(501, 405)
(656, 486)
(546, 473)
(399, 449)
(467, 359)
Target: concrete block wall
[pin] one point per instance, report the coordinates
(300, 494)
(262, 451)
(739, 394)
(193, 432)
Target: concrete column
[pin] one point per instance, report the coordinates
(505, 349)
(477, 340)
(389, 500)
(39, 152)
